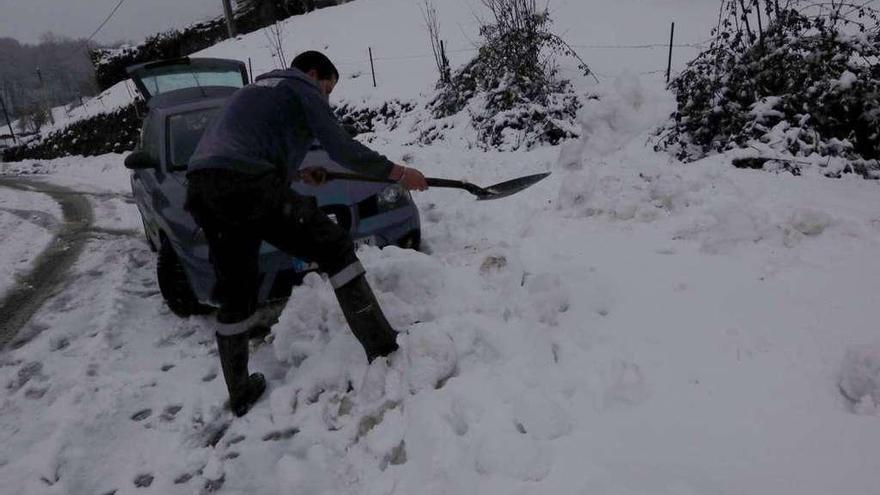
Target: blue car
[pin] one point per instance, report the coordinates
(182, 96)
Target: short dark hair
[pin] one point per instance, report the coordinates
(317, 61)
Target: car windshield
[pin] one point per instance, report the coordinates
(184, 131)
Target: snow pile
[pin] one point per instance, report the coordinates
(860, 378)
(604, 177)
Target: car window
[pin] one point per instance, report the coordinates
(184, 131)
(162, 77)
(163, 83)
(150, 138)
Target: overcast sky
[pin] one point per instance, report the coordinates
(26, 20)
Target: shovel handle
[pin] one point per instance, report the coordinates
(432, 182)
(358, 177)
(457, 184)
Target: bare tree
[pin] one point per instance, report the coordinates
(275, 35)
(33, 118)
(66, 71)
(432, 23)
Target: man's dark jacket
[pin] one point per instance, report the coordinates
(268, 126)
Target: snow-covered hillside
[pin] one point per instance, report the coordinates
(614, 38)
(628, 326)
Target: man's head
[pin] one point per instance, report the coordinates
(317, 66)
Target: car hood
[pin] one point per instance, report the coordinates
(336, 191)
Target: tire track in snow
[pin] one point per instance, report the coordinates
(52, 265)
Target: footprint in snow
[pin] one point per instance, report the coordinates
(35, 393)
(183, 478)
(626, 385)
(280, 435)
(212, 486)
(141, 415)
(30, 371)
(236, 439)
(143, 480)
(58, 344)
(170, 412)
(208, 434)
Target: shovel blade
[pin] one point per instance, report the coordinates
(506, 188)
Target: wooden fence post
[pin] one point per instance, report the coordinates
(669, 63)
(372, 67)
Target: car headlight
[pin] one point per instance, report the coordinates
(392, 197)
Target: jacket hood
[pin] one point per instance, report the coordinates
(292, 73)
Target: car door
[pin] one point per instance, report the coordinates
(144, 182)
(183, 130)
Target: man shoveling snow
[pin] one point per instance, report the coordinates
(239, 194)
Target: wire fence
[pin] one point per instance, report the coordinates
(698, 45)
(364, 63)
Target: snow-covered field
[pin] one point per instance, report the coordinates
(628, 326)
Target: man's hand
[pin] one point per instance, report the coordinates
(313, 176)
(411, 179)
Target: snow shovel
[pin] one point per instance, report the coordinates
(497, 191)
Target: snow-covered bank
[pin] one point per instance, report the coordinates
(27, 221)
(94, 174)
(103, 178)
(627, 36)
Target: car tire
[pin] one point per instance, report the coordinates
(412, 240)
(174, 285)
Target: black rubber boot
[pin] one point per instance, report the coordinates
(365, 318)
(244, 389)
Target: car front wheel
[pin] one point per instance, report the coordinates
(174, 285)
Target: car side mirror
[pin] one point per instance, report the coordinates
(139, 160)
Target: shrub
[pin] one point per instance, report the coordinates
(113, 132)
(511, 89)
(795, 82)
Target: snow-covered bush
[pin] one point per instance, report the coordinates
(798, 80)
(511, 90)
(113, 132)
(363, 119)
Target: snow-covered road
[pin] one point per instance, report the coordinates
(48, 269)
